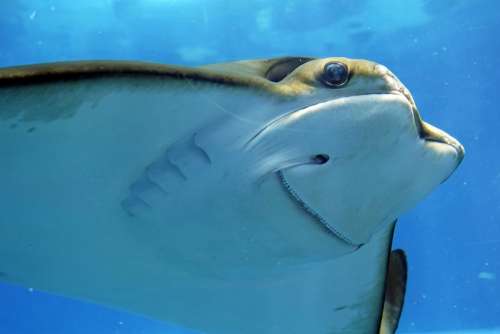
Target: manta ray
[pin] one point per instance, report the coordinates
(246, 197)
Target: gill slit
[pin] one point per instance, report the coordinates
(313, 214)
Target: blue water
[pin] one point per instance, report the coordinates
(446, 52)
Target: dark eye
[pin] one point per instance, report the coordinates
(335, 74)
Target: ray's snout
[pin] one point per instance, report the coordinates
(431, 133)
(425, 130)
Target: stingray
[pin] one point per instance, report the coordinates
(247, 197)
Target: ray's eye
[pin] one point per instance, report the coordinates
(335, 74)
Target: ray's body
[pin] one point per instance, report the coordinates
(249, 197)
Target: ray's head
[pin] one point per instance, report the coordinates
(372, 155)
(335, 78)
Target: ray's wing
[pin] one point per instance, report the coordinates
(122, 184)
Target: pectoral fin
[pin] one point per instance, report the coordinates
(394, 292)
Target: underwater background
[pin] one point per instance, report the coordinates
(446, 52)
